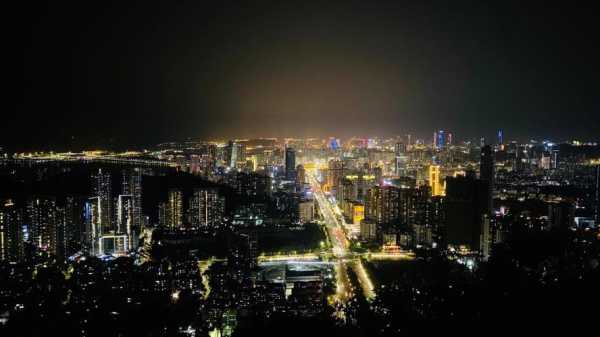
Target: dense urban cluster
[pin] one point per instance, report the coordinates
(377, 236)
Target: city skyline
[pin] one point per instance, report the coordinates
(294, 168)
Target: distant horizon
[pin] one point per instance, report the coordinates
(115, 145)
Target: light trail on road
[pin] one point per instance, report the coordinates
(340, 246)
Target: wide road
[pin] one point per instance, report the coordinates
(340, 245)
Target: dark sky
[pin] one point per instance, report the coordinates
(143, 72)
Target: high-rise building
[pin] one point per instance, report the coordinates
(102, 191)
(390, 207)
(11, 232)
(306, 211)
(109, 236)
(290, 163)
(381, 204)
(243, 253)
(368, 230)
(174, 209)
(335, 174)
(125, 218)
(230, 154)
(561, 214)
(234, 153)
(465, 211)
(486, 173)
(400, 160)
(162, 214)
(597, 209)
(73, 238)
(42, 221)
(132, 185)
(250, 184)
(439, 139)
(300, 175)
(206, 207)
(435, 181)
(500, 136)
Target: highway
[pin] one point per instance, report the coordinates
(340, 245)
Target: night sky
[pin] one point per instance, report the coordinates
(129, 73)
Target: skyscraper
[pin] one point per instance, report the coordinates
(206, 208)
(11, 232)
(290, 163)
(597, 210)
(41, 214)
(435, 181)
(235, 152)
(102, 190)
(125, 217)
(132, 185)
(440, 139)
(486, 173)
(400, 160)
(74, 225)
(174, 209)
(466, 211)
(300, 175)
(335, 174)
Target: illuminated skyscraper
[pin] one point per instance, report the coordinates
(132, 185)
(500, 136)
(207, 207)
(11, 232)
(388, 205)
(102, 191)
(435, 181)
(235, 152)
(335, 173)
(597, 209)
(400, 160)
(42, 221)
(381, 204)
(439, 139)
(125, 218)
(174, 209)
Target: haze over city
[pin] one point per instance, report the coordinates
(141, 72)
